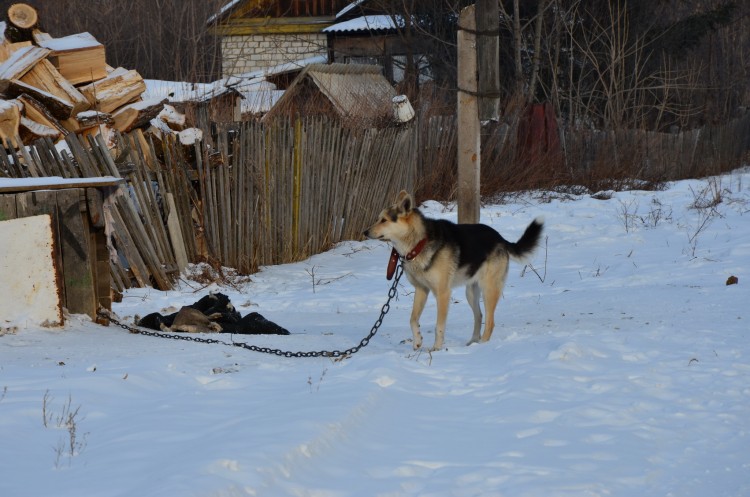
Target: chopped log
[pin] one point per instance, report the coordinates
(79, 58)
(138, 114)
(7, 48)
(119, 88)
(22, 19)
(92, 118)
(20, 62)
(10, 119)
(40, 36)
(36, 111)
(45, 77)
(57, 107)
(31, 131)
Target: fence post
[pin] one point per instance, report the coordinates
(297, 186)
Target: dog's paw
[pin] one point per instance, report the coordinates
(417, 342)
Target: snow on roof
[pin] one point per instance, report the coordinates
(72, 42)
(225, 9)
(364, 23)
(258, 94)
(349, 7)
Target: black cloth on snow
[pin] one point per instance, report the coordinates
(219, 309)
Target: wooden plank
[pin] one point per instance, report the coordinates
(101, 270)
(57, 184)
(7, 207)
(175, 234)
(143, 243)
(78, 280)
(127, 246)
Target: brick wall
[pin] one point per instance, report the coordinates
(241, 54)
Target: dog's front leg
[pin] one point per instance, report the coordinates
(443, 298)
(420, 298)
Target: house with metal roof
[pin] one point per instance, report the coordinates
(257, 34)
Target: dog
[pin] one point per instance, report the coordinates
(438, 255)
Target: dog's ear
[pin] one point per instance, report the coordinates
(404, 202)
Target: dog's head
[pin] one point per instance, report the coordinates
(394, 221)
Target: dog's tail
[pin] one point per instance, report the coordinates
(528, 242)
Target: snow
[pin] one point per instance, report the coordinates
(620, 366)
(72, 42)
(53, 182)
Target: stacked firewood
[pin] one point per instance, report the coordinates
(50, 87)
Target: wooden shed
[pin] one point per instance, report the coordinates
(80, 251)
(348, 92)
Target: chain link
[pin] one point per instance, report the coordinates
(392, 292)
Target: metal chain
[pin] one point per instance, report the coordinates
(392, 292)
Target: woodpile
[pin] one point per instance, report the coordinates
(51, 87)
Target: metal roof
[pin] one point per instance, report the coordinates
(365, 24)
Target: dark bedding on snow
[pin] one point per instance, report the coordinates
(218, 308)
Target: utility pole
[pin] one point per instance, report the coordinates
(468, 119)
(488, 58)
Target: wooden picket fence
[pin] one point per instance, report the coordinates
(263, 194)
(278, 192)
(285, 190)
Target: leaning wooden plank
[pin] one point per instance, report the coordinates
(127, 246)
(80, 57)
(45, 77)
(140, 180)
(145, 247)
(137, 114)
(119, 88)
(175, 234)
(19, 63)
(78, 279)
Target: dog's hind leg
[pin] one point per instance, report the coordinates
(472, 296)
(492, 291)
(420, 298)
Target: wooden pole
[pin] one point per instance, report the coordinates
(468, 120)
(488, 58)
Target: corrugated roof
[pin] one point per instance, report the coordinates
(364, 24)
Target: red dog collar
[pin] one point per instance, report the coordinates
(393, 261)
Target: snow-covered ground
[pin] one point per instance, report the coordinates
(620, 367)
